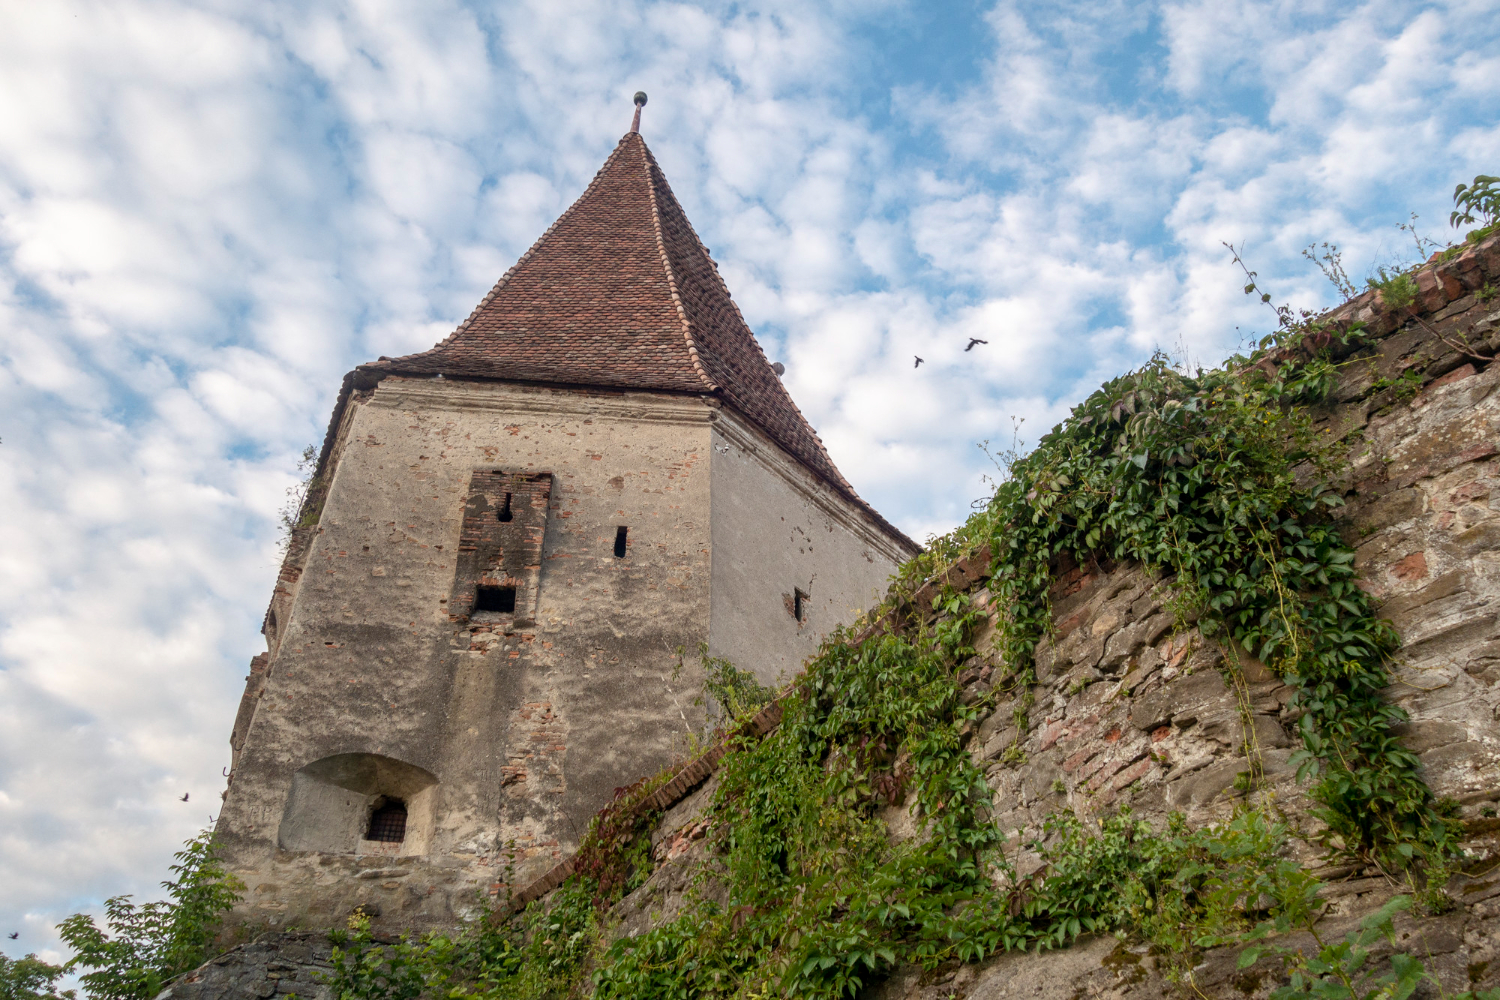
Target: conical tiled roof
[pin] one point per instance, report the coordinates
(620, 293)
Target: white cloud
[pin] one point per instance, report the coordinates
(209, 211)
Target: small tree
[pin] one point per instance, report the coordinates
(30, 978)
(149, 944)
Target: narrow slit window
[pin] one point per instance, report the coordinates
(501, 599)
(799, 605)
(388, 822)
(504, 513)
(620, 534)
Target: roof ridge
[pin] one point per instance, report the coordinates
(718, 278)
(666, 263)
(505, 278)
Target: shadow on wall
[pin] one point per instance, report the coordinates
(359, 803)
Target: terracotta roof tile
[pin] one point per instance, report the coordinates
(620, 293)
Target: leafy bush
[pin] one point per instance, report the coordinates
(1482, 195)
(737, 692)
(537, 957)
(148, 944)
(1398, 289)
(30, 978)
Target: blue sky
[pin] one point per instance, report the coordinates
(210, 211)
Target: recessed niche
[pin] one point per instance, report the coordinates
(359, 803)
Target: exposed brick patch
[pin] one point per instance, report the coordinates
(1413, 567)
(500, 542)
(1132, 773)
(1455, 375)
(1076, 761)
(1103, 774)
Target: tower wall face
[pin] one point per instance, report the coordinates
(793, 560)
(505, 729)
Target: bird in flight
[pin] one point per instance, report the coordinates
(184, 797)
(918, 363)
(972, 342)
(14, 935)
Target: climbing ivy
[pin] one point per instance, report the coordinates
(1198, 477)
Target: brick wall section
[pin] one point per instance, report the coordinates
(501, 553)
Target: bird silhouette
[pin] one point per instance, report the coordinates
(184, 797)
(972, 342)
(14, 935)
(918, 362)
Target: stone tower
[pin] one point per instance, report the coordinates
(514, 547)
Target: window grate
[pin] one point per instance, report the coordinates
(500, 599)
(388, 822)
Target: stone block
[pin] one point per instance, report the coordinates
(1181, 700)
(1428, 734)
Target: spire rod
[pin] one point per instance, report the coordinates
(640, 102)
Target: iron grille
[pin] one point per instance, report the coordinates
(388, 823)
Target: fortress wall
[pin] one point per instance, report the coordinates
(1136, 708)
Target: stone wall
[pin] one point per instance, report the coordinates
(370, 661)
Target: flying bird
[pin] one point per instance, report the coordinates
(184, 797)
(14, 935)
(972, 342)
(918, 363)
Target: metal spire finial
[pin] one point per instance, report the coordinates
(640, 102)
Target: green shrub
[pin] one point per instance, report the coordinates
(1342, 970)
(148, 944)
(30, 978)
(1398, 289)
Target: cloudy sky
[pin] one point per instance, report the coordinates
(209, 211)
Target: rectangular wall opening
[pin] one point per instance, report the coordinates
(387, 822)
(498, 570)
(620, 534)
(799, 605)
(500, 599)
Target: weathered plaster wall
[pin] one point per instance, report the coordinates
(365, 658)
(778, 530)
